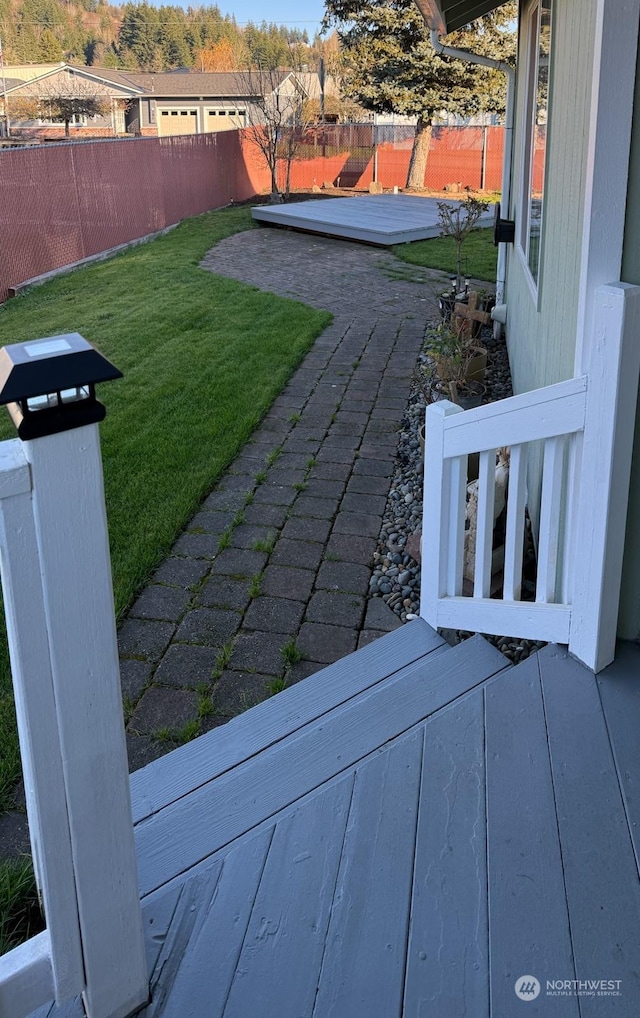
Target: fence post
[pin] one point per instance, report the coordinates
(599, 522)
(49, 386)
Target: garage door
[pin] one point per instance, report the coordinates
(225, 120)
(177, 122)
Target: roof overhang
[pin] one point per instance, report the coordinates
(29, 84)
(445, 16)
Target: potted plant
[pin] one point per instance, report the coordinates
(458, 363)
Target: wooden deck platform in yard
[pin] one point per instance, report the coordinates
(383, 219)
(406, 833)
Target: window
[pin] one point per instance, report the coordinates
(539, 46)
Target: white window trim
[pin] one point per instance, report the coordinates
(76, 121)
(531, 44)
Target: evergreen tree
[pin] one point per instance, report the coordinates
(140, 33)
(391, 66)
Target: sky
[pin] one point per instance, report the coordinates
(293, 13)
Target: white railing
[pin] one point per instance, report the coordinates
(585, 426)
(56, 582)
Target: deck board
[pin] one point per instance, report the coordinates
(600, 870)
(383, 219)
(364, 963)
(447, 970)
(619, 687)
(528, 923)
(290, 917)
(204, 941)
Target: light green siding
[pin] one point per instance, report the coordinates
(629, 621)
(542, 342)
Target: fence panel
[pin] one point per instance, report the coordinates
(64, 202)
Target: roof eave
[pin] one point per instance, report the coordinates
(432, 13)
(445, 16)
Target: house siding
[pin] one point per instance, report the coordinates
(541, 328)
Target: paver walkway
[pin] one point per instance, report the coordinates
(277, 562)
(278, 559)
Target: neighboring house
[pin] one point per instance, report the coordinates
(40, 85)
(205, 102)
(154, 104)
(575, 199)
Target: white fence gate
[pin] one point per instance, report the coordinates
(587, 426)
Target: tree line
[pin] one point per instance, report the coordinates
(138, 36)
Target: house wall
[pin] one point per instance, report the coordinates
(541, 326)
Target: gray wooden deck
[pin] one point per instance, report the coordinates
(382, 219)
(407, 832)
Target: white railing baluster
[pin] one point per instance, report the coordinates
(456, 515)
(514, 535)
(572, 501)
(484, 532)
(549, 540)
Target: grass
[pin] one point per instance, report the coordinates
(20, 916)
(203, 358)
(291, 652)
(276, 686)
(266, 545)
(479, 256)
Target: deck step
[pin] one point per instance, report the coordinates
(165, 780)
(218, 811)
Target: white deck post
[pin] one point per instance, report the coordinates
(38, 730)
(599, 520)
(436, 572)
(62, 447)
(73, 544)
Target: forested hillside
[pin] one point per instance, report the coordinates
(137, 35)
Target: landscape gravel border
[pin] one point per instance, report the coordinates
(396, 572)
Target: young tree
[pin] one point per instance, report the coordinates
(392, 67)
(275, 120)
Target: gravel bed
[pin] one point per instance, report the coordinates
(396, 574)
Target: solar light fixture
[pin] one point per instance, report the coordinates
(48, 385)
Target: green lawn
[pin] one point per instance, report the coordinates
(479, 256)
(203, 358)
